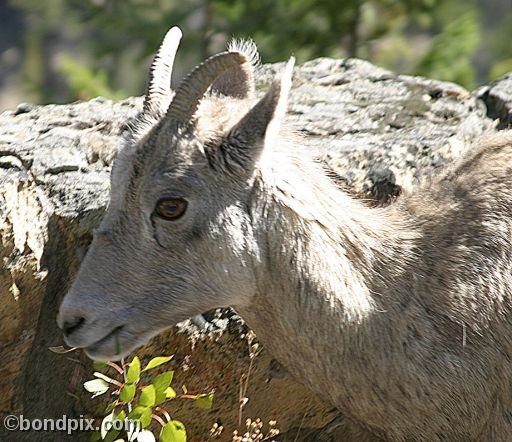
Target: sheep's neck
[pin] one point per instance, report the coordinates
(321, 307)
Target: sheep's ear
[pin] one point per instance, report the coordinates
(238, 82)
(158, 91)
(259, 128)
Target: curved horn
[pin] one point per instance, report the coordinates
(158, 92)
(186, 100)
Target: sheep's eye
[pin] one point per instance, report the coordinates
(171, 208)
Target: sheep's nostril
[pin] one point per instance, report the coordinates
(70, 326)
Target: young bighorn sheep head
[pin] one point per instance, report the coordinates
(177, 238)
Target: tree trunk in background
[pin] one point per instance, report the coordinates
(353, 42)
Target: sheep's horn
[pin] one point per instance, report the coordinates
(186, 100)
(158, 92)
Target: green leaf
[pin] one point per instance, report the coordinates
(96, 386)
(112, 435)
(134, 371)
(136, 412)
(99, 365)
(127, 393)
(204, 401)
(146, 417)
(160, 398)
(155, 362)
(95, 436)
(162, 381)
(146, 436)
(147, 396)
(170, 393)
(111, 406)
(142, 414)
(173, 431)
(106, 425)
(121, 416)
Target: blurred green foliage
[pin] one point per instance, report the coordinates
(82, 48)
(84, 82)
(449, 57)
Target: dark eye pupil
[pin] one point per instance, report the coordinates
(171, 208)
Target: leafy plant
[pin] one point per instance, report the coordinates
(451, 51)
(136, 406)
(84, 82)
(116, 39)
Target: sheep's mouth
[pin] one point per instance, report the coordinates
(111, 341)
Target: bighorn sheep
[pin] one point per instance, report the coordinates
(398, 316)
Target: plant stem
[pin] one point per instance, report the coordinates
(115, 367)
(164, 412)
(159, 420)
(129, 405)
